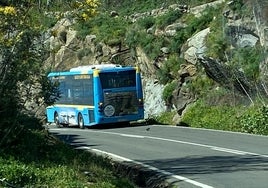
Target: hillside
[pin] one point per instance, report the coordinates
(197, 58)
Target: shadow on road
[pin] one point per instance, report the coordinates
(211, 164)
(74, 140)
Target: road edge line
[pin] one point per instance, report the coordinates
(164, 178)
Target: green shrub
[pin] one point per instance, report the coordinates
(168, 18)
(249, 59)
(212, 117)
(168, 90)
(151, 45)
(146, 22)
(179, 39)
(164, 75)
(117, 60)
(105, 27)
(236, 5)
(132, 37)
(255, 120)
(217, 43)
(166, 118)
(169, 71)
(201, 85)
(83, 52)
(197, 24)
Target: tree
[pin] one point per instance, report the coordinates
(20, 59)
(21, 56)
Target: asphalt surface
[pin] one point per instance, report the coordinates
(187, 157)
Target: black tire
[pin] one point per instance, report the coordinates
(123, 124)
(56, 120)
(80, 121)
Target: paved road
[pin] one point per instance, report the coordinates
(192, 157)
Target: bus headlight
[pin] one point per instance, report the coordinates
(109, 110)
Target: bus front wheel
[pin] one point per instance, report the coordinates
(81, 121)
(56, 119)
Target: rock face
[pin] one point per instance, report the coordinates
(182, 96)
(154, 104)
(247, 31)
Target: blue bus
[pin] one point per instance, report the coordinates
(97, 94)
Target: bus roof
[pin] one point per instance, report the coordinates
(88, 69)
(92, 67)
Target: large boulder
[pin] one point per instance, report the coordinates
(195, 46)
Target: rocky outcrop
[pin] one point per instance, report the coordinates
(153, 102)
(195, 46)
(67, 50)
(182, 95)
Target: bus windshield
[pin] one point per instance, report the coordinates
(118, 79)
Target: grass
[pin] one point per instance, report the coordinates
(165, 118)
(211, 117)
(238, 118)
(39, 160)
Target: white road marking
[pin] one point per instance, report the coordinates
(222, 149)
(120, 158)
(215, 148)
(210, 130)
(131, 136)
(229, 150)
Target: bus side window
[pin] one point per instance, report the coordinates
(62, 91)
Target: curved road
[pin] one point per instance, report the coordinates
(190, 157)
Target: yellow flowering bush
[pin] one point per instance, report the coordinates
(8, 10)
(87, 8)
(7, 14)
(92, 3)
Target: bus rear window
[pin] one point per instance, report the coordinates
(118, 79)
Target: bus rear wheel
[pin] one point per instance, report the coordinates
(56, 119)
(81, 121)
